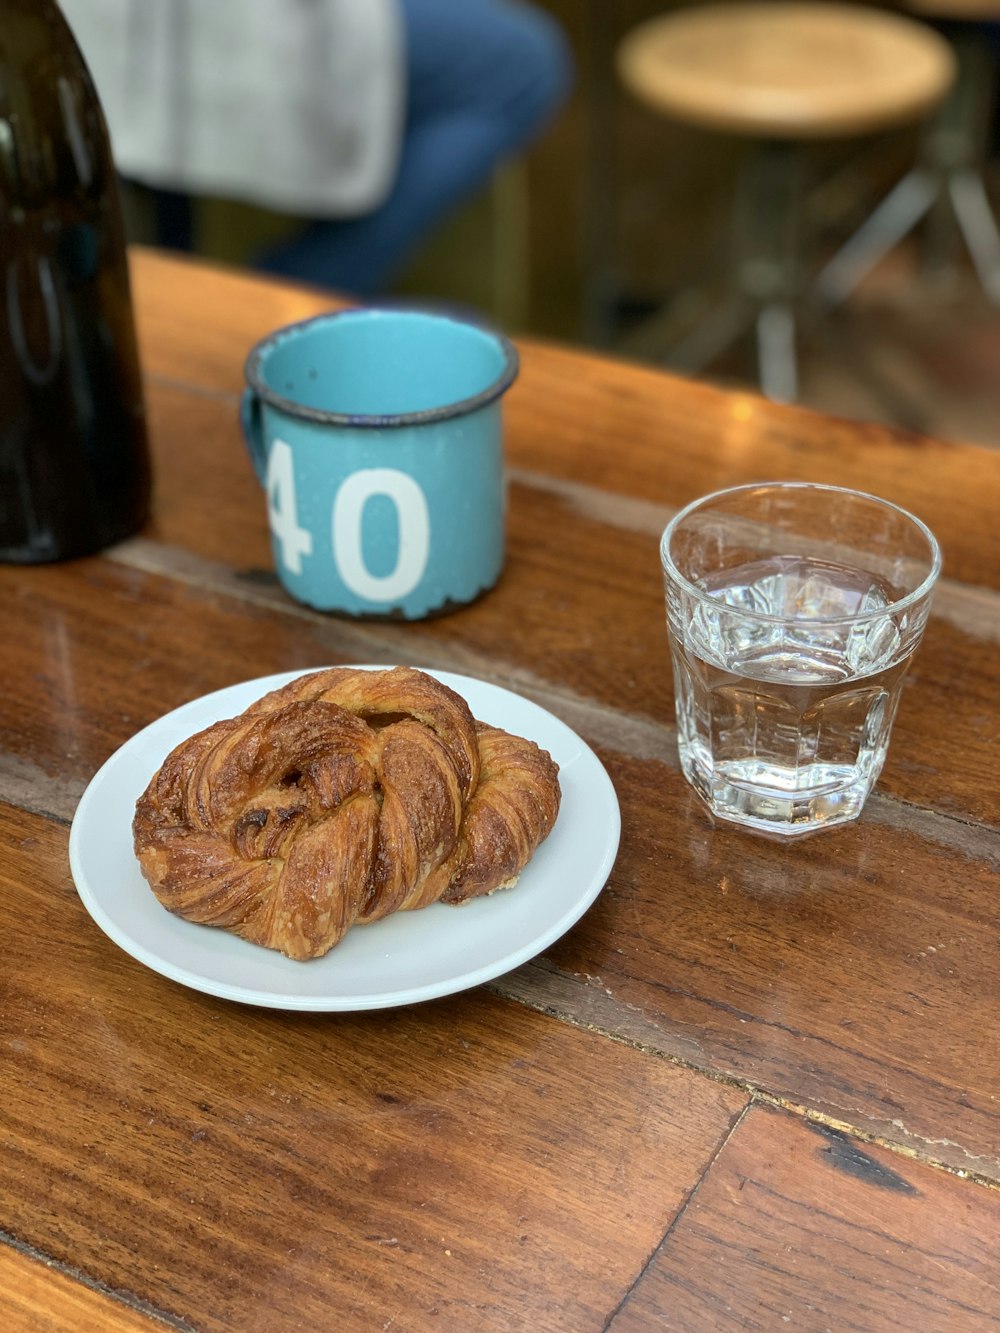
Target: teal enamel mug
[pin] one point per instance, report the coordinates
(377, 437)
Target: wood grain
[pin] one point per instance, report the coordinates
(196, 322)
(512, 1158)
(463, 1162)
(602, 638)
(797, 1227)
(853, 973)
(36, 1298)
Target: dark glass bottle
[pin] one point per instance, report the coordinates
(74, 460)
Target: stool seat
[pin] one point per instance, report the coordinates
(787, 70)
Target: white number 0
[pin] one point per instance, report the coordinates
(414, 522)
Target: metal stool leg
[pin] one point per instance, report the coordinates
(765, 276)
(979, 228)
(711, 337)
(898, 213)
(776, 356)
(948, 187)
(771, 199)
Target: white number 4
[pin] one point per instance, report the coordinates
(295, 541)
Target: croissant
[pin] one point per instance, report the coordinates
(336, 800)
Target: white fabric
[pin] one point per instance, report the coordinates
(292, 104)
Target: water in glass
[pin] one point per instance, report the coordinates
(784, 722)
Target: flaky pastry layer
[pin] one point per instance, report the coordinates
(336, 800)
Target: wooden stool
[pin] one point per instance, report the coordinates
(778, 74)
(947, 185)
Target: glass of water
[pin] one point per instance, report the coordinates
(793, 611)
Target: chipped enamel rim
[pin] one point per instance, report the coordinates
(254, 372)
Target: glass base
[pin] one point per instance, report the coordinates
(774, 808)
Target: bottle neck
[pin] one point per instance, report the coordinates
(53, 138)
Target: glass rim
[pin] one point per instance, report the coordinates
(925, 587)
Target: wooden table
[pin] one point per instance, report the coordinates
(755, 1087)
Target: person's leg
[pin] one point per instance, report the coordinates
(484, 78)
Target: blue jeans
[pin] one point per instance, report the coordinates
(483, 77)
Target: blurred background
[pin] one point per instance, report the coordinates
(620, 215)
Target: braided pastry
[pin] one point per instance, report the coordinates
(338, 799)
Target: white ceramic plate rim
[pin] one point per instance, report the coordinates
(404, 959)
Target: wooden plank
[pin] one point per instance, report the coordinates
(601, 640)
(479, 1161)
(205, 495)
(853, 973)
(630, 429)
(641, 432)
(798, 1227)
(605, 643)
(196, 321)
(37, 1298)
(462, 1162)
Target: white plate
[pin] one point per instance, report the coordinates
(404, 958)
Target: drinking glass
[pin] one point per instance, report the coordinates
(793, 610)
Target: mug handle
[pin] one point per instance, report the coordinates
(253, 433)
